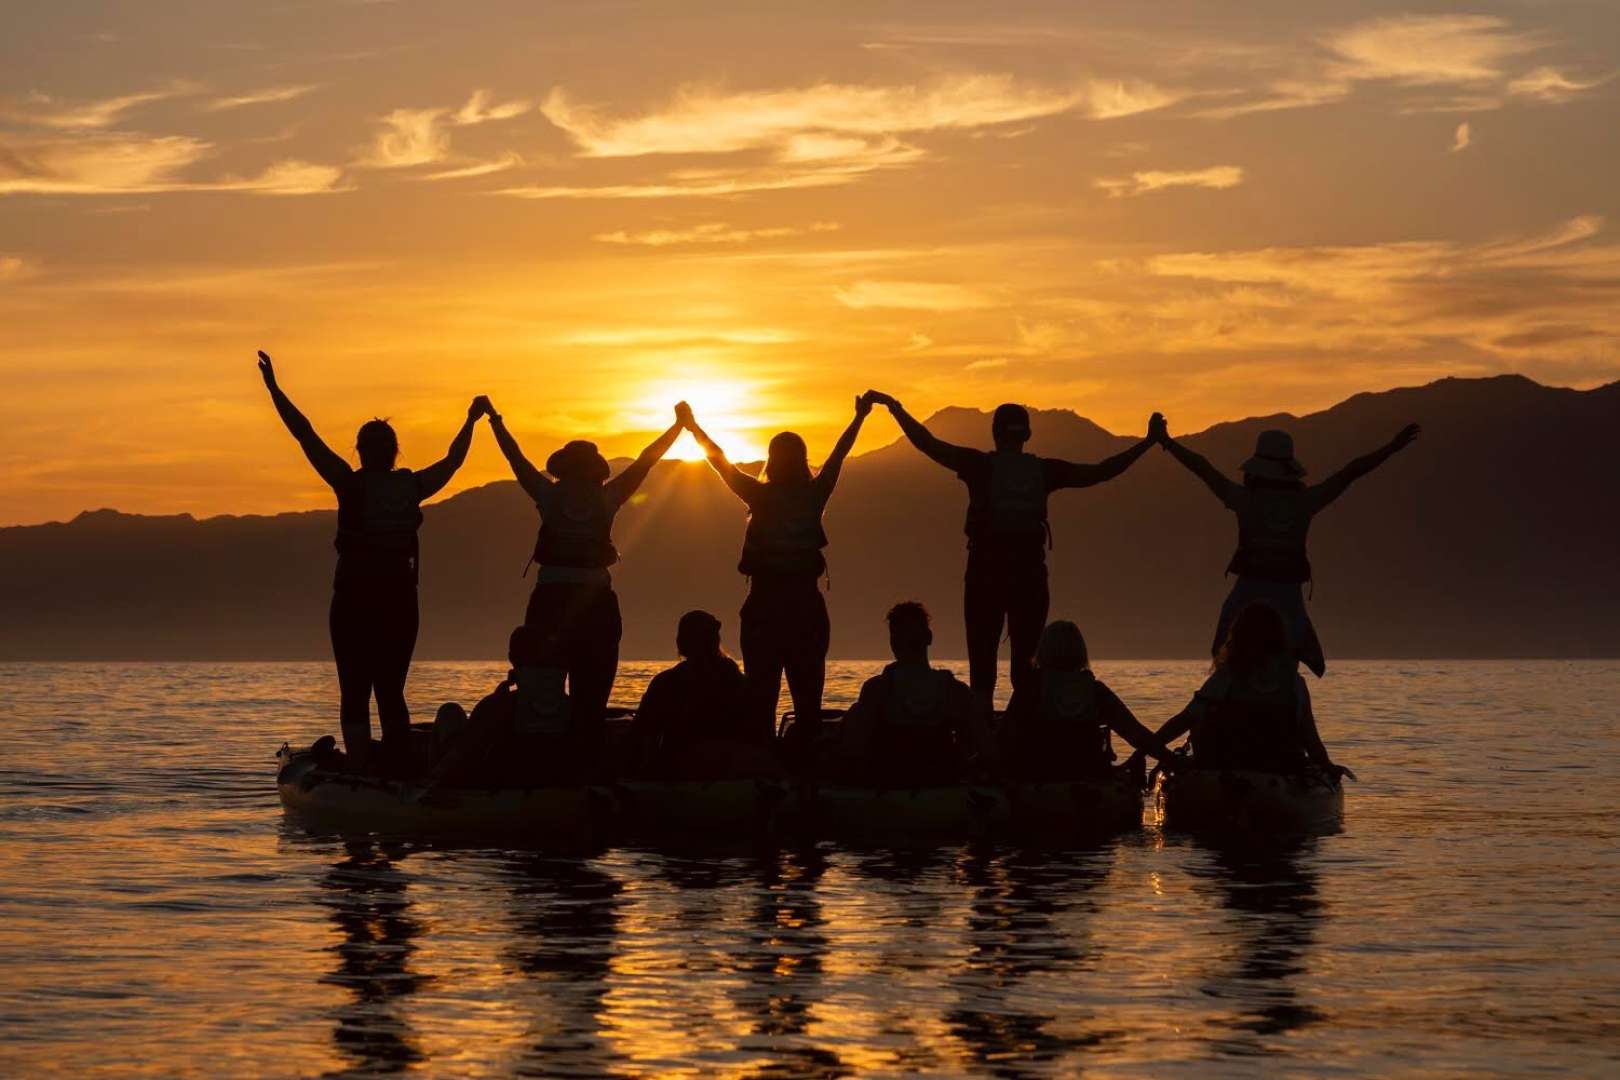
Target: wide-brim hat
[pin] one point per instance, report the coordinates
(578, 458)
(1274, 457)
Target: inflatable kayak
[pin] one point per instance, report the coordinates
(1073, 810)
(568, 818)
(1251, 802)
(700, 811)
(900, 817)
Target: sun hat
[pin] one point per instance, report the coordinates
(1274, 457)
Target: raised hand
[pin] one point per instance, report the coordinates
(878, 397)
(267, 369)
(1402, 440)
(481, 406)
(1158, 428)
(683, 414)
(863, 404)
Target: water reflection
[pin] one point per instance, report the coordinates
(565, 927)
(368, 897)
(783, 961)
(1028, 917)
(1270, 895)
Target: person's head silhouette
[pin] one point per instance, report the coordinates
(377, 445)
(578, 462)
(1257, 637)
(787, 461)
(697, 635)
(910, 631)
(1009, 426)
(1062, 648)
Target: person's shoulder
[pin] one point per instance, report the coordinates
(1218, 685)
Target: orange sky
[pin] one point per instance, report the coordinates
(590, 210)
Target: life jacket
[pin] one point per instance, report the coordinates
(378, 517)
(1271, 536)
(540, 703)
(577, 535)
(1254, 725)
(1012, 506)
(912, 736)
(784, 531)
(1067, 727)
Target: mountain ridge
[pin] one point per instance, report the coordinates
(1491, 537)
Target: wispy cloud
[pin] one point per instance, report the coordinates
(13, 267)
(42, 110)
(1551, 86)
(911, 295)
(130, 164)
(1429, 49)
(713, 232)
(415, 137)
(267, 96)
(710, 122)
(1461, 137)
(1216, 177)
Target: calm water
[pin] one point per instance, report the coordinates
(158, 916)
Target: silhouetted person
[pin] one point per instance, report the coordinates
(693, 722)
(1274, 508)
(374, 613)
(1059, 725)
(573, 599)
(784, 620)
(1254, 711)
(1007, 531)
(526, 731)
(913, 724)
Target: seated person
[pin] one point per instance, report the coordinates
(913, 725)
(1254, 711)
(520, 735)
(692, 720)
(1059, 724)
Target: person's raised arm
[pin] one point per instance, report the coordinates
(951, 456)
(1224, 487)
(528, 477)
(1181, 723)
(827, 478)
(435, 476)
(332, 468)
(741, 484)
(1067, 474)
(625, 483)
(1335, 485)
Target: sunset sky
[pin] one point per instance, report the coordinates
(589, 210)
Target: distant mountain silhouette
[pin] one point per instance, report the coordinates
(1494, 536)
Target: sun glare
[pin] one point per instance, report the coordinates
(722, 408)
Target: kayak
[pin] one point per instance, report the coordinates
(562, 817)
(900, 817)
(1254, 803)
(701, 811)
(1073, 810)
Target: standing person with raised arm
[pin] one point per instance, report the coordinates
(784, 625)
(573, 600)
(1007, 531)
(374, 615)
(1274, 508)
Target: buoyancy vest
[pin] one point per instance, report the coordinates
(912, 737)
(378, 517)
(784, 534)
(540, 702)
(1068, 723)
(577, 534)
(1272, 526)
(1011, 508)
(1253, 725)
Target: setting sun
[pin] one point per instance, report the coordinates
(723, 407)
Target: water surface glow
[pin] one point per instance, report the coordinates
(159, 916)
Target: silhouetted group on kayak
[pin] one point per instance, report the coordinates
(913, 724)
